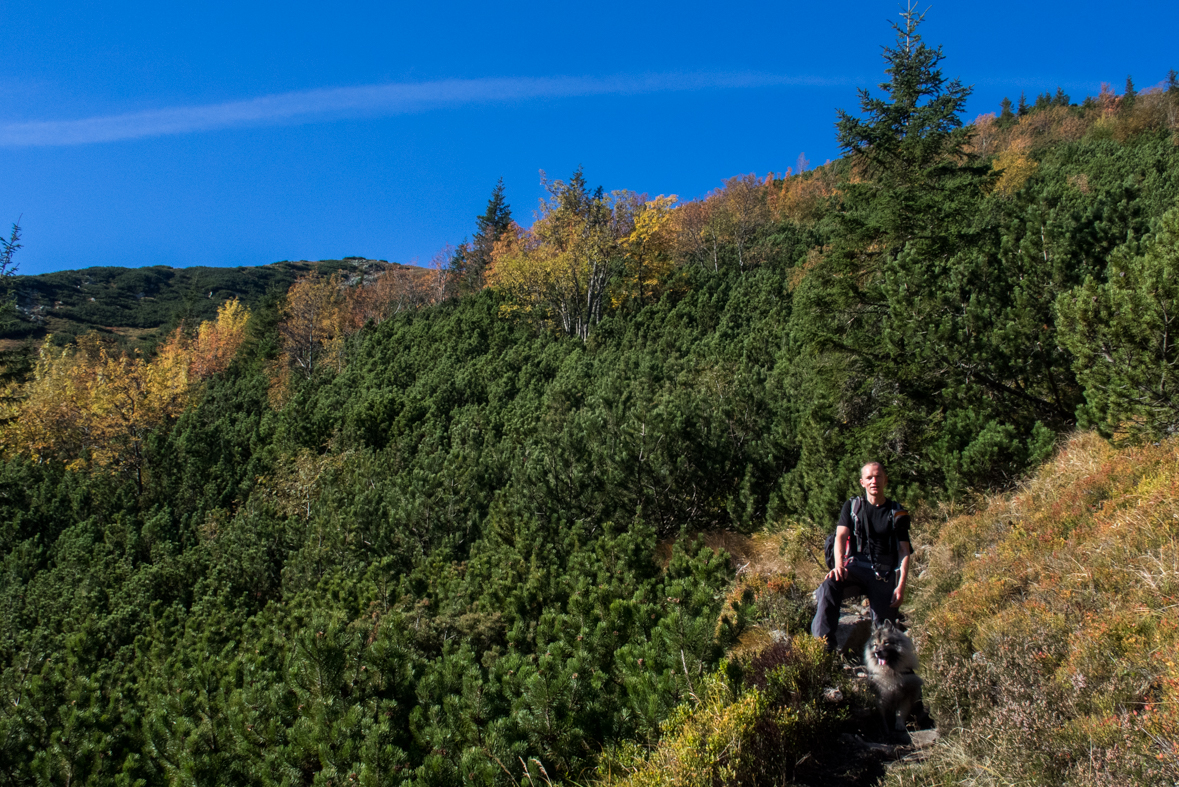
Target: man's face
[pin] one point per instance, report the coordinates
(873, 479)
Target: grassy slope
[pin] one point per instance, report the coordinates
(1048, 625)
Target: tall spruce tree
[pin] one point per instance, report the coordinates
(912, 315)
(917, 124)
(471, 259)
(1006, 116)
(906, 145)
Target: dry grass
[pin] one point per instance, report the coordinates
(1109, 116)
(1047, 619)
(1049, 629)
(772, 588)
(760, 553)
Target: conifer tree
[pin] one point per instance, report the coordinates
(1122, 334)
(916, 127)
(8, 247)
(908, 146)
(1006, 116)
(471, 259)
(911, 314)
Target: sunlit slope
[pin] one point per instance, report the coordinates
(1049, 624)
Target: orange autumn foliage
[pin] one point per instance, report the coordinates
(321, 312)
(727, 220)
(802, 197)
(313, 324)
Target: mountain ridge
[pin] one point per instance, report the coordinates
(138, 306)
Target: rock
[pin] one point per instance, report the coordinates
(779, 636)
(853, 631)
(923, 738)
(854, 745)
(832, 694)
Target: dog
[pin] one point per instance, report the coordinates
(891, 661)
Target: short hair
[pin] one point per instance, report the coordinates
(869, 463)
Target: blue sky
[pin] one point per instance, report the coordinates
(244, 133)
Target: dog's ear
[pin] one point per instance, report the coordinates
(887, 624)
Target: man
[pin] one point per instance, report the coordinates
(873, 557)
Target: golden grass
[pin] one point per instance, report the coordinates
(1048, 619)
(760, 553)
(771, 580)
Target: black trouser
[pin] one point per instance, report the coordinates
(830, 595)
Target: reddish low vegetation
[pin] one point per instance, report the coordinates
(1048, 625)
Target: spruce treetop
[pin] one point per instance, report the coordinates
(497, 218)
(917, 125)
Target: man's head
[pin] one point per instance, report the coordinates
(874, 480)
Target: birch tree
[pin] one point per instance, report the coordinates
(558, 270)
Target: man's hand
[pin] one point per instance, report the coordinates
(898, 595)
(840, 549)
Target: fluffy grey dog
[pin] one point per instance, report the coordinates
(892, 664)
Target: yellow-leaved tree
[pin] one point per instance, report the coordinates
(312, 325)
(92, 407)
(648, 250)
(217, 341)
(1015, 168)
(521, 269)
(44, 417)
(558, 270)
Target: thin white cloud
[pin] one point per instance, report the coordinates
(388, 99)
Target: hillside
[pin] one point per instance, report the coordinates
(1048, 623)
(551, 514)
(140, 305)
(1047, 626)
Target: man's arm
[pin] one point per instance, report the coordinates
(841, 536)
(898, 595)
